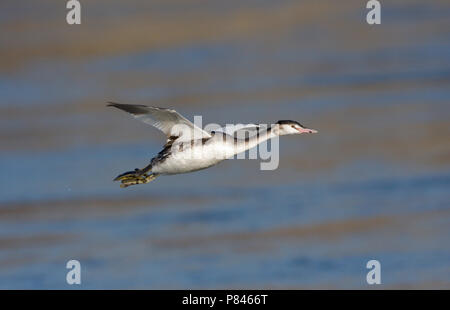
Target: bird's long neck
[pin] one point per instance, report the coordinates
(242, 145)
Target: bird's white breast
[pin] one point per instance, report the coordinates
(188, 157)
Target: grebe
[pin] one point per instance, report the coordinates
(205, 149)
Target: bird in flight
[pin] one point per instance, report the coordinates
(189, 148)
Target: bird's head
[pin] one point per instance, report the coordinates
(286, 127)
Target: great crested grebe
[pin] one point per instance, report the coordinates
(189, 148)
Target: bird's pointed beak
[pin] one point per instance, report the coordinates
(306, 130)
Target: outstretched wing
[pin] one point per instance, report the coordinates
(168, 121)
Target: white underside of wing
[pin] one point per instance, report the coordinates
(168, 121)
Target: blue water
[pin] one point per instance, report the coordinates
(373, 184)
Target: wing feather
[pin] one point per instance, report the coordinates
(169, 121)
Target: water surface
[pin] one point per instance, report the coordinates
(373, 184)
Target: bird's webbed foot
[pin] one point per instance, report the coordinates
(135, 177)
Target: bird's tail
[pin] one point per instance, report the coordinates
(135, 177)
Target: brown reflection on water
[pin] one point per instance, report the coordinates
(96, 207)
(330, 231)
